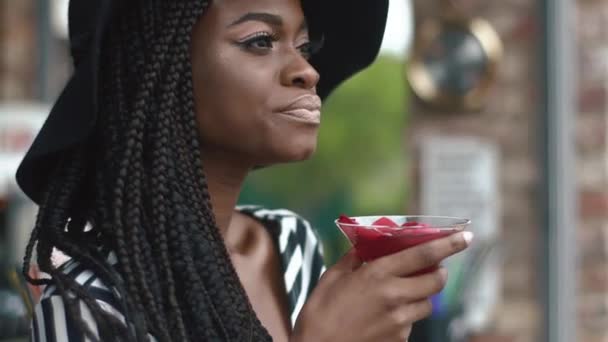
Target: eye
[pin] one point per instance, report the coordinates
(311, 48)
(259, 42)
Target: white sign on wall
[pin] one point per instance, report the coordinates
(459, 177)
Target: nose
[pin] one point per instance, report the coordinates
(299, 73)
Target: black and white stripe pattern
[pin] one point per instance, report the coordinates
(53, 323)
(301, 259)
(301, 252)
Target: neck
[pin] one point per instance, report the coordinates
(224, 179)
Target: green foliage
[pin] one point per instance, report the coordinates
(359, 167)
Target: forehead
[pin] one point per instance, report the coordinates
(228, 11)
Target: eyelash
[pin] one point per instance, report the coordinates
(249, 41)
(307, 49)
(313, 47)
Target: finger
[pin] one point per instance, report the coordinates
(424, 255)
(406, 315)
(420, 310)
(413, 289)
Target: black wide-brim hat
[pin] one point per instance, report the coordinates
(352, 32)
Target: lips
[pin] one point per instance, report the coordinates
(305, 108)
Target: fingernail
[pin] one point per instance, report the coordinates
(468, 237)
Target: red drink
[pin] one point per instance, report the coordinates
(383, 236)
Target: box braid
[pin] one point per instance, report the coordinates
(144, 194)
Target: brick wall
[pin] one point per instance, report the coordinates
(509, 120)
(592, 34)
(17, 49)
(21, 55)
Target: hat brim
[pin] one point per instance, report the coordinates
(352, 32)
(70, 122)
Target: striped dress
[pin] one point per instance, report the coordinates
(301, 260)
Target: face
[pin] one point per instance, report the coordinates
(254, 89)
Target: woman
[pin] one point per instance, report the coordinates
(139, 166)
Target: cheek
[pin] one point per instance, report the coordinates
(232, 102)
(235, 99)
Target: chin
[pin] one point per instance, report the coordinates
(297, 153)
(300, 147)
(285, 146)
(289, 153)
(303, 154)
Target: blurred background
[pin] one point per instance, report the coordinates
(491, 110)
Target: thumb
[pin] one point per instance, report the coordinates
(349, 261)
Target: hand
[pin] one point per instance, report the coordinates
(376, 301)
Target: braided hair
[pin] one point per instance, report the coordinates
(138, 188)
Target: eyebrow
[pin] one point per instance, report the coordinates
(268, 18)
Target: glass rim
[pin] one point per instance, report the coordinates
(460, 221)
